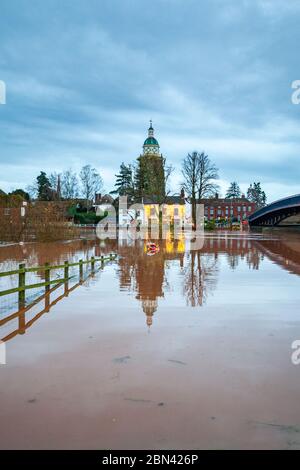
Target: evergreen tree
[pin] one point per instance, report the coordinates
(151, 176)
(43, 187)
(139, 183)
(257, 195)
(157, 173)
(21, 193)
(234, 191)
(124, 181)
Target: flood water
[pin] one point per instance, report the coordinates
(180, 350)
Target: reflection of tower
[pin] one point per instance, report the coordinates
(149, 307)
(149, 279)
(146, 274)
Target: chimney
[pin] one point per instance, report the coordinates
(97, 198)
(58, 188)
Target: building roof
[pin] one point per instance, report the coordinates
(105, 199)
(151, 141)
(175, 199)
(227, 201)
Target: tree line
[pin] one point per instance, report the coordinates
(199, 180)
(67, 185)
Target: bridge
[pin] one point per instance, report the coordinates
(284, 212)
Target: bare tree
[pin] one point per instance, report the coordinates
(199, 175)
(91, 182)
(200, 278)
(53, 179)
(69, 185)
(190, 172)
(208, 174)
(32, 190)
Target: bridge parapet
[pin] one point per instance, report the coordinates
(276, 212)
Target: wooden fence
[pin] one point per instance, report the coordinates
(20, 315)
(47, 268)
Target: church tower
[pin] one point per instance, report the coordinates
(150, 178)
(151, 146)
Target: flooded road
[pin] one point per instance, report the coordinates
(180, 350)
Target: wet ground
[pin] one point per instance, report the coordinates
(182, 350)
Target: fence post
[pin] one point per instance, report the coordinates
(22, 325)
(102, 259)
(47, 277)
(66, 276)
(80, 269)
(93, 263)
(111, 256)
(47, 287)
(21, 286)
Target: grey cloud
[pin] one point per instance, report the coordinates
(83, 79)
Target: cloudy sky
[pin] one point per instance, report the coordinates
(84, 77)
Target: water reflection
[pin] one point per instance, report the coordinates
(150, 279)
(145, 274)
(200, 277)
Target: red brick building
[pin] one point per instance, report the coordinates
(220, 208)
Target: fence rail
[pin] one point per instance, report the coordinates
(20, 315)
(47, 268)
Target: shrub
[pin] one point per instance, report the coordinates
(210, 225)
